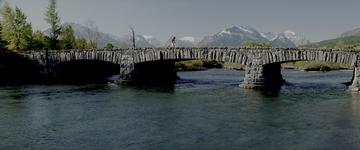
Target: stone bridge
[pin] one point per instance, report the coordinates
(262, 64)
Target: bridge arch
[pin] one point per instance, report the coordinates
(265, 68)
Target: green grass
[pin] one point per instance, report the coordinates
(193, 65)
(314, 66)
(233, 66)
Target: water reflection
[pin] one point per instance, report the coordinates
(158, 88)
(205, 110)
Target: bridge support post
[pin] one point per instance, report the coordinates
(126, 73)
(355, 86)
(258, 76)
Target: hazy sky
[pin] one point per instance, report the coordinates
(315, 19)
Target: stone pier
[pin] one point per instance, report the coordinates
(259, 76)
(355, 86)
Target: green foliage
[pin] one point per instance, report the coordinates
(39, 41)
(349, 42)
(233, 66)
(81, 43)
(3, 43)
(16, 31)
(92, 44)
(53, 19)
(109, 46)
(191, 65)
(251, 44)
(314, 66)
(67, 37)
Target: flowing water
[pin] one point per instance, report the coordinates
(204, 110)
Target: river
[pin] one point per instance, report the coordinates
(204, 110)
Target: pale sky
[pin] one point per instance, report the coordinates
(315, 19)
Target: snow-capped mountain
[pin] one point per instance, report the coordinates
(232, 36)
(282, 41)
(296, 38)
(186, 41)
(140, 41)
(268, 35)
(152, 40)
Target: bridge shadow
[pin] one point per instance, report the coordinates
(80, 72)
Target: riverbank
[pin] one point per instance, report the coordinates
(195, 65)
(314, 66)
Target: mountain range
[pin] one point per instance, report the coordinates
(232, 36)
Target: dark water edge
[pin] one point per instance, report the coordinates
(203, 110)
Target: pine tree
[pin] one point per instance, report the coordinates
(81, 43)
(3, 43)
(109, 46)
(39, 41)
(53, 19)
(16, 31)
(67, 37)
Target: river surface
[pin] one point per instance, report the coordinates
(204, 110)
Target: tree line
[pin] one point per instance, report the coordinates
(16, 32)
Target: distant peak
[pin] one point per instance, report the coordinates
(188, 38)
(290, 32)
(238, 29)
(148, 36)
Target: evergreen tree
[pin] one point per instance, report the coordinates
(54, 21)
(67, 37)
(109, 46)
(39, 41)
(3, 43)
(80, 43)
(16, 31)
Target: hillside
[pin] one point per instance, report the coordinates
(354, 32)
(347, 42)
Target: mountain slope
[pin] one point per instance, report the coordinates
(348, 42)
(294, 37)
(84, 32)
(354, 32)
(232, 36)
(282, 41)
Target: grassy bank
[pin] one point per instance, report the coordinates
(194, 65)
(314, 66)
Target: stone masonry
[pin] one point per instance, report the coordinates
(262, 64)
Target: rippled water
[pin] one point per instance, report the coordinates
(204, 110)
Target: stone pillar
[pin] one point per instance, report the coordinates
(127, 67)
(355, 86)
(258, 76)
(126, 71)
